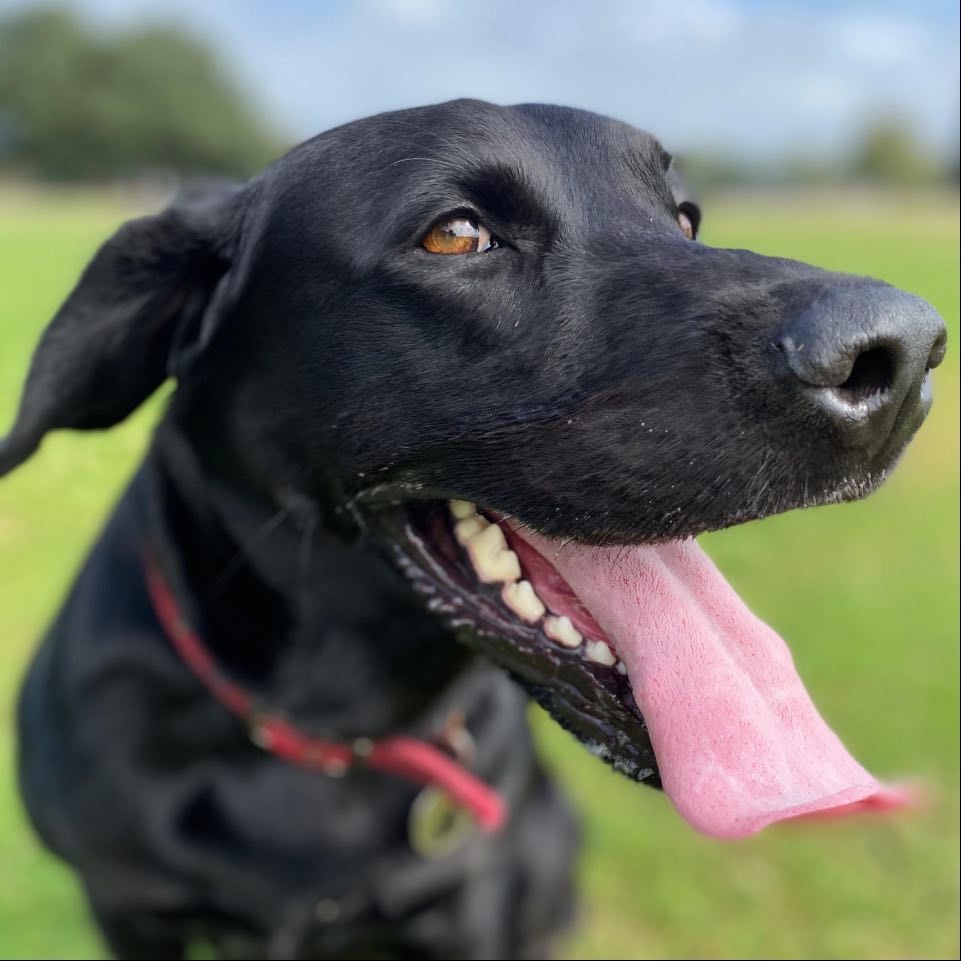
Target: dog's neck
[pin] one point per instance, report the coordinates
(320, 627)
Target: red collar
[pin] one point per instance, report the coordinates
(401, 756)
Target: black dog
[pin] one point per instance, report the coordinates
(403, 318)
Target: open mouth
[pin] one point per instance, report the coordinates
(648, 656)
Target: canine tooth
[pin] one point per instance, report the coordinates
(462, 509)
(621, 668)
(522, 600)
(493, 560)
(561, 629)
(469, 528)
(599, 653)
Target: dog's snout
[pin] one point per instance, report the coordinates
(862, 354)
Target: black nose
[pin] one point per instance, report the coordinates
(862, 353)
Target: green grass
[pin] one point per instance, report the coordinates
(866, 593)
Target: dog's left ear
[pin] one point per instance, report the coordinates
(137, 312)
(684, 198)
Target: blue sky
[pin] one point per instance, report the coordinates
(738, 76)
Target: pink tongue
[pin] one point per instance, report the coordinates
(738, 742)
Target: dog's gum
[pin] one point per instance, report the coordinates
(523, 601)
(493, 561)
(561, 629)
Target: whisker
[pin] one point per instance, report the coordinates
(306, 595)
(429, 132)
(430, 160)
(234, 565)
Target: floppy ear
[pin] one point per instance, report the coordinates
(133, 316)
(684, 197)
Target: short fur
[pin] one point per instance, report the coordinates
(599, 375)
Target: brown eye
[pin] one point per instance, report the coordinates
(686, 225)
(458, 236)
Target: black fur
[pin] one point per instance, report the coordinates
(598, 374)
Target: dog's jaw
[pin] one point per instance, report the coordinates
(580, 687)
(648, 656)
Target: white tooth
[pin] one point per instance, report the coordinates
(599, 653)
(561, 629)
(522, 600)
(621, 667)
(469, 528)
(462, 509)
(493, 561)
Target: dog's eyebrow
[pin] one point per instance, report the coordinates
(504, 192)
(650, 164)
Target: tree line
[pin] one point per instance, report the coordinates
(75, 105)
(79, 106)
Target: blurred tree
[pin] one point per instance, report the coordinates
(952, 160)
(705, 171)
(890, 152)
(75, 106)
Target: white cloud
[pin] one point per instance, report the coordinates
(873, 39)
(427, 14)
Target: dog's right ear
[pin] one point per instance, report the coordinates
(138, 309)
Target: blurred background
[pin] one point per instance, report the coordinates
(826, 131)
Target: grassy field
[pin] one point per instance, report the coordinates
(867, 594)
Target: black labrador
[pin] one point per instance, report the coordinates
(450, 381)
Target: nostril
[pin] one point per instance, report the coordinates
(871, 376)
(938, 350)
(858, 355)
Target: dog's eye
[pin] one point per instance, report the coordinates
(686, 225)
(459, 236)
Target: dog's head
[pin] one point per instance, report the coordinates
(489, 338)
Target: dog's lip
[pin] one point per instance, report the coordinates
(592, 701)
(378, 500)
